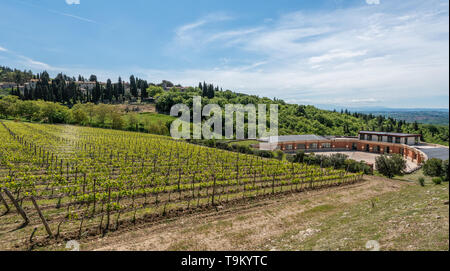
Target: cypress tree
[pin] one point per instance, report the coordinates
(133, 87)
(144, 93)
(204, 90)
(108, 90)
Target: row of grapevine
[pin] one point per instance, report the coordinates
(79, 180)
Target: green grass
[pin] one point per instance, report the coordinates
(155, 117)
(321, 208)
(414, 177)
(414, 218)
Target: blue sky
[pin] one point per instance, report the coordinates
(346, 53)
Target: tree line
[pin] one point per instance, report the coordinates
(307, 119)
(86, 114)
(69, 91)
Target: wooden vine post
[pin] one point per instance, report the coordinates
(44, 221)
(108, 208)
(4, 203)
(273, 184)
(214, 190)
(18, 207)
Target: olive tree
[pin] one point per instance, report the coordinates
(390, 165)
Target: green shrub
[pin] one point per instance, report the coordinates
(445, 168)
(299, 156)
(437, 180)
(390, 165)
(433, 168)
(422, 181)
(279, 155)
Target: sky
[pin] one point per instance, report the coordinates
(355, 53)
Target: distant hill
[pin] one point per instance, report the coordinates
(438, 117)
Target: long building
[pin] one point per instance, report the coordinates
(374, 142)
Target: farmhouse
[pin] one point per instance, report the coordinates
(5, 85)
(373, 142)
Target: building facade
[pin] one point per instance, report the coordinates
(398, 138)
(380, 143)
(7, 85)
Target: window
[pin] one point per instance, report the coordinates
(362, 136)
(301, 146)
(313, 146)
(397, 140)
(289, 147)
(390, 139)
(380, 138)
(369, 137)
(326, 145)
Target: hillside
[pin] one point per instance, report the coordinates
(14, 75)
(399, 215)
(307, 119)
(122, 190)
(293, 118)
(426, 117)
(93, 181)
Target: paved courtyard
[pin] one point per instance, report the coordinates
(434, 152)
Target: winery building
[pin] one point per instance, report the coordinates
(374, 142)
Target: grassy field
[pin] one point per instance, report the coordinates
(155, 118)
(414, 218)
(414, 177)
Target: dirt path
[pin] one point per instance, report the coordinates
(250, 227)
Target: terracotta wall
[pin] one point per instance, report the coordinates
(374, 147)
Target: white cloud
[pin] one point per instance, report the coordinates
(336, 54)
(30, 63)
(185, 32)
(400, 52)
(366, 100)
(72, 2)
(373, 2)
(190, 26)
(18, 60)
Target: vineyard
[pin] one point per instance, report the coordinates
(69, 182)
